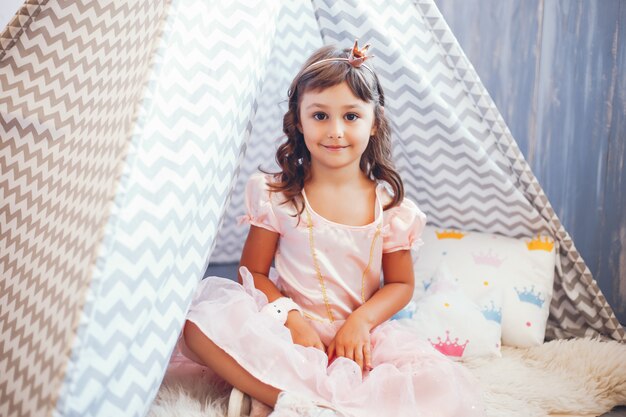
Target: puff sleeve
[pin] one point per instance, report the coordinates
(260, 211)
(403, 226)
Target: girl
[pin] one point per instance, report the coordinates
(324, 345)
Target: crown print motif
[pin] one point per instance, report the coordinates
(530, 296)
(487, 258)
(538, 244)
(450, 234)
(492, 313)
(449, 348)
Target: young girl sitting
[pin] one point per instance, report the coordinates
(324, 345)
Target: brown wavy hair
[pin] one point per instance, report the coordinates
(293, 157)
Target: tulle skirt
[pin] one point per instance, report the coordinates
(409, 377)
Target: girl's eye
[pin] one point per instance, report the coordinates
(319, 116)
(352, 117)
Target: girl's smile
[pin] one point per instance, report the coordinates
(334, 148)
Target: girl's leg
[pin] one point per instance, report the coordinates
(226, 367)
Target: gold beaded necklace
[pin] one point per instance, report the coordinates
(320, 277)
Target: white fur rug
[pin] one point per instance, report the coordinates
(572, 377)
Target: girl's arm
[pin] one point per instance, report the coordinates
(353, 339)
(257, 255)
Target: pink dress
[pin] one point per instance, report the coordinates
(409, 376)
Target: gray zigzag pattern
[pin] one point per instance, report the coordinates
(299, 36)
(59, 177)
(167, 212)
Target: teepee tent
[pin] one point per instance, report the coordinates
(128, 128)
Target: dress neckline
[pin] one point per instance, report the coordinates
(378, 212)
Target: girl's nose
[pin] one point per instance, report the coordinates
(335, 130)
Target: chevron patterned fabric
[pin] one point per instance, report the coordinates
(70, 85)
(127, 133)
(299, 35)
(184, 153)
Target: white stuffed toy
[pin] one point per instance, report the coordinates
(280, 308)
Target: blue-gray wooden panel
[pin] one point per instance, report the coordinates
(614, 219)
(556, 69)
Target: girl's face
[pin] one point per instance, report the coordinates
(336, 126)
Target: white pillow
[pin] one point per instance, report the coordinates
(524, 268)
(455, 325)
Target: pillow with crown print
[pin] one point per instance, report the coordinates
(455, 325)
(523, 268)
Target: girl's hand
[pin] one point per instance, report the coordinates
(302, 333)
(352, 341)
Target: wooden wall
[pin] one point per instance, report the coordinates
(556, 69)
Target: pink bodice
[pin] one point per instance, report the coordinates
(349, 257)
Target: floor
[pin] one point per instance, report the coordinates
(230, 271)
(222, 270)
